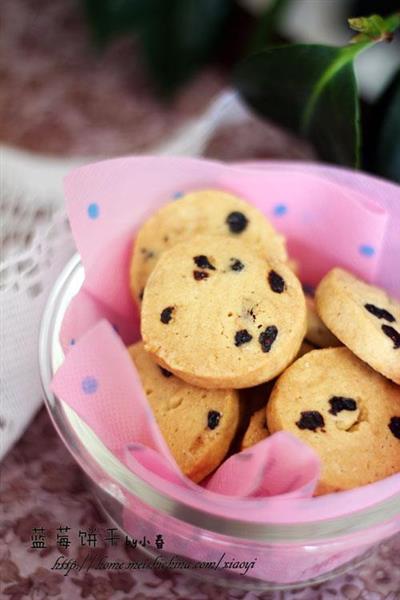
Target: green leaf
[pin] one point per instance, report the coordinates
(375, 28)
(310, 89)
(110, 18)
(180, 37)
(388, 145)
(266, 27)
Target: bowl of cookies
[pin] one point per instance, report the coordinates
(222, 358)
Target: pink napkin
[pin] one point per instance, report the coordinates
(327, 223)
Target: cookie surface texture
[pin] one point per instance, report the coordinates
(198, 425)
(220, 316)
(347, 412)
(364, 318)
(317, 332)
(211, 212)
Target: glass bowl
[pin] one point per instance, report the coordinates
(227, 551)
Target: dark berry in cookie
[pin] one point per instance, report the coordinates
(203, 263)
(394, 426)
(311, 419)
(276, 282)
(242, 337)
(267, 338)
(237, 222)
(213, 419)
(165, 372)
(339, 403)
(392, 334)
(199, 275)
(166, 315)
(380, 313)
(236, 265)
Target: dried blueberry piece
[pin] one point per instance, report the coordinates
(380, 313)
(276, 282)
(392, 334)
(166, 315)
(311, 419)
(242, 337)
(236, 265)
(147, 253)
(237, 222)
(394, 427)
(339, 403)
(309, 289)
(203, 263)
(165, 372)
(213, 419)
(267, 338)
(199, 275)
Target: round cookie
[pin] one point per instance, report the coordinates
(257, 429)
(210, 212)
(346, 411)
(219, 315)
(198, 425)
(364, 318)
(317, 333)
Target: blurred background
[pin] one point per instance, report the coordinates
(110, 77)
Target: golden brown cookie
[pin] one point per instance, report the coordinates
(257, 429)
(198, 425)
(364, 317)
(219, 315)
(211, 212)
(343, 409)
(317, 333)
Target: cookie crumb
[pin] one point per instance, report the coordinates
(339, 403)
(276, 282)
(166, 315)
(203, 263)
(199, 275)
(237, 222)
(213, 419)
(393, 334)
(268, 337)
(311, 419)
(242, 337)
(380, 313)
(394, 427)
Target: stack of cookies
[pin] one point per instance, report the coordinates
(233, 350)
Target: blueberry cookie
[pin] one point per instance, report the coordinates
(198, 425)
(211, 212)
(257, 429)
(219, 315)
(346, 411)
(364, 318)
(317, 333)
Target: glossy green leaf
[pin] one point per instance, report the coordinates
(388, 144)
(375, 28)
(110, 18)
(310, 89)
(180, 37)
